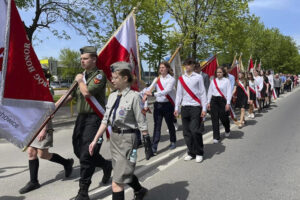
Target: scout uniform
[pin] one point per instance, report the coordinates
(124, 114)
(43, 146)
(86, 127)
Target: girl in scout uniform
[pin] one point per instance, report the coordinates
(40, 148)
(124, 113)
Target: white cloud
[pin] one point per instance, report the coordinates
(270, 4)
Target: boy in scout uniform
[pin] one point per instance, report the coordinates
(124, 113)
(91, 83)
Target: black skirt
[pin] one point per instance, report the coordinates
(242, 99)
(252, 96)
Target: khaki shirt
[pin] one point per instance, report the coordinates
(96, 84)
(129, 113)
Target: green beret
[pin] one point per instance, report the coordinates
(88, 49)
(120, 65)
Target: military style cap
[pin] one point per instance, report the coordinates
(119, 66)
(88, 49)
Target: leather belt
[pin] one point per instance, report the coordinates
(118, 130)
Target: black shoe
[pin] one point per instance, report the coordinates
(107, 173)
(140, 194)
(83, 191)
(69, 168)
(29, 187)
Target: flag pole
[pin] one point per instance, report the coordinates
(74, 85)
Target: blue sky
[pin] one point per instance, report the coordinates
(283, 14)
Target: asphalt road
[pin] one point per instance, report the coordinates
(260, 161)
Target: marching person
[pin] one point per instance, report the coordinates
(260, 86)
(91, 84)
(252, 94)
(266, 89)
(271, 85)
(277, 85)
(219, 97)
(206, 81)
(191, 96)
(124, 113)
(242, 90)
(164, 105)
(40, 149)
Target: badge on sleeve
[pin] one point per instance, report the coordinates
(97, 79)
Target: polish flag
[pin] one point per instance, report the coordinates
(210, 66)
(251, 66)
(25, 97)
(122, 46)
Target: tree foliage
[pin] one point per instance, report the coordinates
(203, 27)
(70, 60)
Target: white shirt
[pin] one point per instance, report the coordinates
(271, 81)
(168, 83)
(196, 85)
(253, 85)
(225, 87)
(260, 82)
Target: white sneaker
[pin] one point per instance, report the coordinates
(216, 141)
(188, 157)
(227, 134)
(199, 159)
(249, 116)
(176, 126)
(252, 116)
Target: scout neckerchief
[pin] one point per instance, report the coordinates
(187, 89)
(95, 105)
(232, 114)
(162, 88)
(243, 88)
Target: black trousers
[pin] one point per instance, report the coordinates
(218, 112)
(191, 122)
(85, 129)
(163, 110)
(277, 90)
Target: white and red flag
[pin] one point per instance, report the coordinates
(25, 97)
(235, 69)
(122, 46)
(210, 66)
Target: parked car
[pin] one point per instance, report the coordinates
(65, 85)
(55, 85)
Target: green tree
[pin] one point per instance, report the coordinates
(49, 12)
(70, 61)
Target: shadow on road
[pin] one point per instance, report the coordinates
(11, 198)
(61, 176)
(169, 191)
(4, 169)
(213, 149)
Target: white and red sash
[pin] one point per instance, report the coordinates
(167, 96)
(254, 92)
(243, 88)
(232, 114)
(98, 109)
(188, 90)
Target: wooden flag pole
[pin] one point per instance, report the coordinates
(52, 114)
